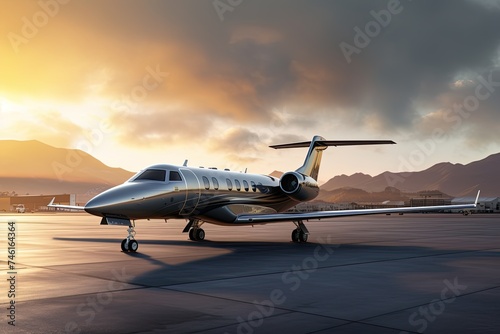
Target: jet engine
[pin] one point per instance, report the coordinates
(298, 186)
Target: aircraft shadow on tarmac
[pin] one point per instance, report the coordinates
(257, 258)
(356, 282)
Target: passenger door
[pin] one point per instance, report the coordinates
(192, 191)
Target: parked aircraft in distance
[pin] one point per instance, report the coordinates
(207, 195)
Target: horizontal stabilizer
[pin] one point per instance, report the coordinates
(333, 143)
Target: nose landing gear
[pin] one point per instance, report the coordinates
(130, 244)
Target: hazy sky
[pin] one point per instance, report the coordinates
(140, 82)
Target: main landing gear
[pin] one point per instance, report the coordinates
(300, 234)
(196, 233)
(130, 244)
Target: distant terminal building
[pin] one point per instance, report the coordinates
(430, 198)
(312, 206)
(326, 206)
(424, 198)
(33, 203)
(379, 205)
(4, 204)
(484, 204)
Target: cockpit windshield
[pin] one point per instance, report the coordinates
(152, 175)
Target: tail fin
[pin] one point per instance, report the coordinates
(316, 147)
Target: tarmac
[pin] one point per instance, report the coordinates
(416, 273)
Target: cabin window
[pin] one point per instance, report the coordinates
(152, 175)
(245, 185)
(216, 183)
(174, 176)
(238, 185)
(229, 184)
(254, 187)
(206, 182)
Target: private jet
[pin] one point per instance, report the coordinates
(224, 197)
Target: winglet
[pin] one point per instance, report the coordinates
(477, 197)
(51, 202)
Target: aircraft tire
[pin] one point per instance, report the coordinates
(302, 237)
(191, 234)
(200, 234)
(295, 235)
(133, 245)
(123, 245)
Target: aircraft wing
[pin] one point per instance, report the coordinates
(318, 215)
(67, 207)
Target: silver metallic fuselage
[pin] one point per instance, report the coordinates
(211, 195)
(222, 197)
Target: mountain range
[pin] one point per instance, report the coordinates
(37, 168)
(453, 179)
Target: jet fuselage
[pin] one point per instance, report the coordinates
(168, 191)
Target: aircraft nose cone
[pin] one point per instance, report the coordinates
(126, 200)
(105, 203)
(97, 205)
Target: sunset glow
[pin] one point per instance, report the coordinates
(140, 82)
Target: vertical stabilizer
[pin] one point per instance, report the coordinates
(313, 158)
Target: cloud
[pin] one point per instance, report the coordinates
(265, 56)
(255, 34)
(488, 4)
(151, 127)
(51, 127)
(238, 140)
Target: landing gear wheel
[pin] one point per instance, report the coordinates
(302, 236)
(133, 245)
(191, 234)
(200, 234)
(129, 244)
(124, 245)
(299, 236)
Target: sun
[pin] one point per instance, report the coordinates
(3, 105)
(8, 107)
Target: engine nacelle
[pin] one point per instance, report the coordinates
(299, 187)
